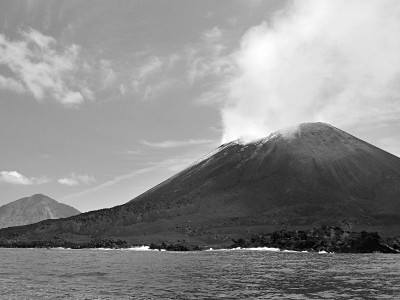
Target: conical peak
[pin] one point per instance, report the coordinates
(305, 128)
(296, 131)
(324, 131)
(319, 135)
(39, 197)
(315, 126)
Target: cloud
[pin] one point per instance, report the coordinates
(155, 90)
(174, 144)
(151, 67)
(153, 77)
(14, 177)
(213, 97)
(11, 84)
(213, 34)
(207, 63)
(208, 59)
(108, 76)
(131, 152)
(39, 65)
(72, 98)
(332, 61)
(76, 179)
(171, 165)
(144, 73)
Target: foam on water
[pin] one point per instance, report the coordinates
(267, 249)
(142, 248)
(147, 248)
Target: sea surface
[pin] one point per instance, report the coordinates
(126, 274)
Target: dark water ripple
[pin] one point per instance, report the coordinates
(98, 274)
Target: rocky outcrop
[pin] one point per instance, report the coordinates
(55, 243)
(329, 239)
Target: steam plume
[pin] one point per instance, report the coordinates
(332, 61)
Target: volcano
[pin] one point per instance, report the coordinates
(33, 209)
(311, 175)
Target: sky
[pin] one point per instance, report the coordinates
(102, 100)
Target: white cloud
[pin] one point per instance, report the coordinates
(154, 77)
(155, 90)
(332, 61)
(107, 73)
(174, 144)
(151, 67)
(131, 152)
(122, 89)
(72, 98)
(171, 165)
(76, 179)
(208, 58)
(143, 73)
(14, 177)
(68, 181)
(215, 96)
(213, 34)
(40, 67)
(11, 84)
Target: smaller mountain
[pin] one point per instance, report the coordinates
(33, 209)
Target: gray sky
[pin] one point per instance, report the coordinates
(102, 100)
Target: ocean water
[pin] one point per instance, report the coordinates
(125, 274)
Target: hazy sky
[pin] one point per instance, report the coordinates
(102, 100)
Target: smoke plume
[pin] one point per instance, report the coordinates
(332, 61)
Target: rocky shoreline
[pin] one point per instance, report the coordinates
(97, 243)
(328, 239)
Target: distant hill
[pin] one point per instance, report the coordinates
(32, 210)
(311, 176)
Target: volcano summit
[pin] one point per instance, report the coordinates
(313, 175)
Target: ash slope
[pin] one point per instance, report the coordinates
(33, 209)
(314, 175)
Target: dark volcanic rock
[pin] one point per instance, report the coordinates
(329, 239)
(33, 209)
(175, 247)
(95, 243)
(302, 179)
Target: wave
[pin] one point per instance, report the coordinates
(268, 249)
(147, 248)
(142, 248)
